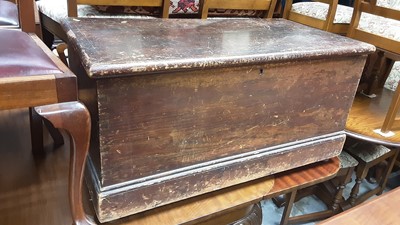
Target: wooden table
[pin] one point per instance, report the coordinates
(367, 115)
(381, 210)
(187, 107)
(32, 76)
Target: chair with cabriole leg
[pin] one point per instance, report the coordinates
(31, 76)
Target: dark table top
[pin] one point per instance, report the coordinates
(120, 47)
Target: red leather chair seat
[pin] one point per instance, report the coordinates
(8, 14)
(21, 56)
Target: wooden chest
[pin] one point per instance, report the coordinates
(185, 107)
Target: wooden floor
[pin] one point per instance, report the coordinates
(33, 190)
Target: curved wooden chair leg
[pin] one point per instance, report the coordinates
(75, 119)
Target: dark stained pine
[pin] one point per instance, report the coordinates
(187, 107)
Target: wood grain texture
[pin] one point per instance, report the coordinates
(33, 190)
(174, 124)
(380, 210)
(31, 74)
(26, 11)
(30, 91)
(153, 46)
(183, 119)
(367, 114)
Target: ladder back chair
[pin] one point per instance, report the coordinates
(258, 5)
(373, 119)
(376, 117)
(375, 22)
(321, 14)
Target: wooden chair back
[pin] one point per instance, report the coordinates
(366, 11)
(164, 4)
(29, 16)
(260, 5)
(371, 7)
(327, 24)
(25, 15)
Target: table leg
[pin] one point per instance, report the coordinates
(74, 118)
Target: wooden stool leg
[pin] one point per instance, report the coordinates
(361, 173)
(388, 169)
(75, 119)
(290, 197)
(339, 194)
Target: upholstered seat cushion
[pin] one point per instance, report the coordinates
(381, 26)
(346, 160)
(319, 10)
(57, 10)
(391, 4)
(8, 14)
(21, 56)
(368, 151)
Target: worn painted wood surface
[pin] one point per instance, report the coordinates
(185, 108)
(117, 47)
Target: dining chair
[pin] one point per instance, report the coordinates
(376, 22)
(372, 119)
(370, 155)
(32, 76)
(376, 25)
(266, 6)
